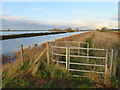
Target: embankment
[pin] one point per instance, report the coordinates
(3, 37)
(105, 40)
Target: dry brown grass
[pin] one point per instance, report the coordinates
(104, 40)
(101, 40)
(10, 70)
(30, 53)
(34, 52)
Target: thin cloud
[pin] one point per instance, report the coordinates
(114, 17)
(82, 12)
(95, 23)
(2, 13)
(12, 22)
(51, 11)
(60, 0)
(36, 9)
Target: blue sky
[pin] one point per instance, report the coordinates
(48, 15)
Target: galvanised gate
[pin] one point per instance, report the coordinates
(78, 58)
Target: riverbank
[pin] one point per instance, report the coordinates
(4, 37)
(37, 49)
(105, 40)
(40, 47)
(15, 43)
(51, 76)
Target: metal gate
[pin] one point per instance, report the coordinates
(78, 58)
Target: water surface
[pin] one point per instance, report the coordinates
(11, 45)
(21, 32)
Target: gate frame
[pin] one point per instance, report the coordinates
(88, 49)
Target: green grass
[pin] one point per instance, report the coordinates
(68, 83)
(51, 71)
(47, 76)
(89, 40)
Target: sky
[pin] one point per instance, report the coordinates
(49, 15)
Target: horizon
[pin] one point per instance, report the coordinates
(60, 15)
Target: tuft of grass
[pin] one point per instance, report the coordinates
(52, 71)
(115, 82)
(89, 40)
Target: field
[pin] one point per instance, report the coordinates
(42, 75)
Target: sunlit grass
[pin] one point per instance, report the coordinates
(52, 76)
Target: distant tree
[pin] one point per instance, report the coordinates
(77, 29)
(68, 30)
(56, 29)
(104, 29)
(97, 29)
(8, 29)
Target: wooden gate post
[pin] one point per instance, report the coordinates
(106, 63)
(29, 48)
(111, 62)
(21, 53)
(48, 55)
(67, 58)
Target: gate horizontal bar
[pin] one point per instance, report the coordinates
(78, 76)
(58, 47)
(87, 64)
(80, 48)
(58, 54)
(68, 42)
(58, 61)
(87, 56)
(87, 48)
(83, 53)
(86, 71)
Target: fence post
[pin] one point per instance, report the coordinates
(21, 54)
(67, 58)
(111, 62)
(106, 63)
(29, 48)
(48, 56)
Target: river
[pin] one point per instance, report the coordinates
(21, 32)
(11, 45)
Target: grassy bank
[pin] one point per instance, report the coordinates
(51, 76)
(4, 37)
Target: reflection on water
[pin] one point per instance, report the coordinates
(10, 45)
